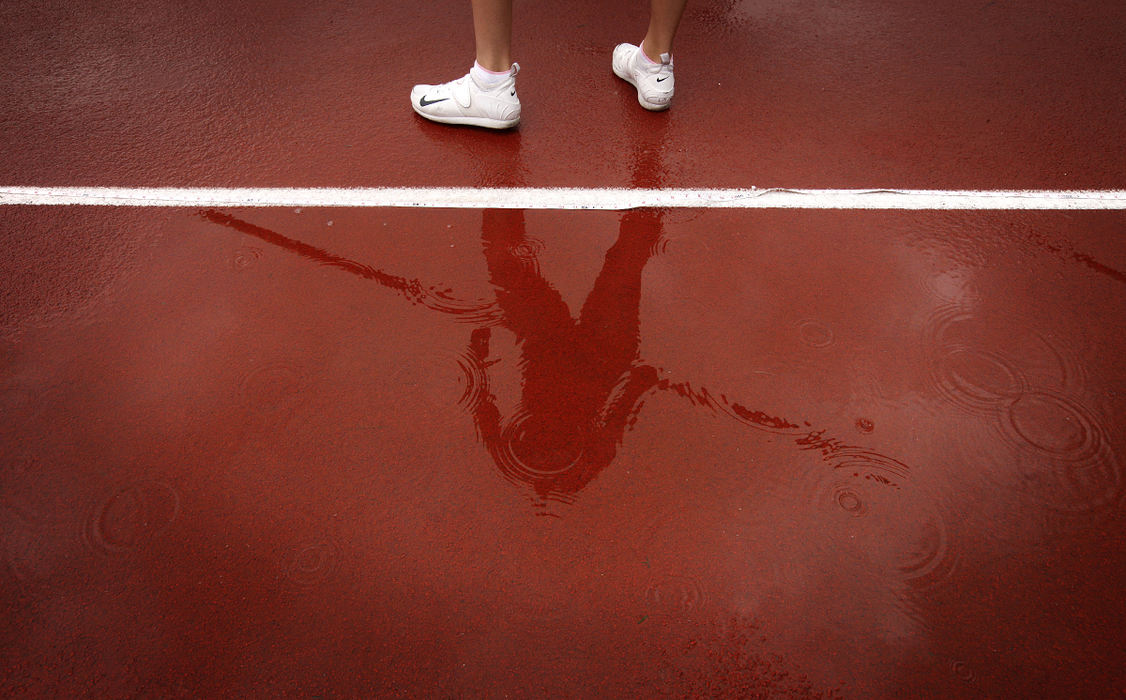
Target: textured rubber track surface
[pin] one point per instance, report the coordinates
(380, 452)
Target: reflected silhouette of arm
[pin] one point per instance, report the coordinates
(805, 437)
(436, 297)
(622, 408)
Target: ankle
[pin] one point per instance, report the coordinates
(650, 53)
(488, 78)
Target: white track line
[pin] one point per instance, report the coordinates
(566, 198)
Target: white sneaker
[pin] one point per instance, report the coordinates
(464, 101)
(653, 81)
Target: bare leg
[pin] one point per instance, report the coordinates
(664, 17)
(492, 28)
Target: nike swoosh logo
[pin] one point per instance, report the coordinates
(423, 102)
(664, 78)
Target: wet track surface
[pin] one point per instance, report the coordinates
(871, 93)
(357, 452)
(448, 453)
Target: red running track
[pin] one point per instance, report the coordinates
(379, 453)
(919, 94)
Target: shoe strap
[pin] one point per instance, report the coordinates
(462, 91)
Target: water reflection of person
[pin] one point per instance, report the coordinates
(581, 383)
(581, 380)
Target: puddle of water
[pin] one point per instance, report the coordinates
(443, 449)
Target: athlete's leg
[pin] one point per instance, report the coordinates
(533, 310)
(648, 67)
(492, 29)
(610, 314)
(487, 95)
(664, 18)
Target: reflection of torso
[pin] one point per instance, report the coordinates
(568, 378)
(565, 432)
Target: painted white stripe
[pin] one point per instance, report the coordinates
(565, 198)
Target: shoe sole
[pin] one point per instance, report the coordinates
(651, 106)
(483, 122)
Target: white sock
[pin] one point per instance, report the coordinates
(650, 62)
(486, 78)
